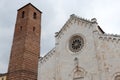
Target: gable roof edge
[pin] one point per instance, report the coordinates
(47, 56)
(31, 5)
(72, 17)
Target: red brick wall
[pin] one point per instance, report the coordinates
(25, 50)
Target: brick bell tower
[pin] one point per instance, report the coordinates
(25, 50)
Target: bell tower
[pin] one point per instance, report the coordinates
(25, 50)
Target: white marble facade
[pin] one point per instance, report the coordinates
(97, 57)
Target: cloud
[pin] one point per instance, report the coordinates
(55, 14)
(5, 46)
(107, 13)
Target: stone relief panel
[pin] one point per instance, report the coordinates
(78, 72)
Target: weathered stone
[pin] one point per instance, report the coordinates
(99, 58)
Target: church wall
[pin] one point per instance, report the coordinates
(46, 70)
(87, 55)
(97, 60)
(108, 50)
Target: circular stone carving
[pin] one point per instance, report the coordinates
(76, 43)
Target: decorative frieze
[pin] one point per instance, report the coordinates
(75, 19)
(109, 37)
(47, 56)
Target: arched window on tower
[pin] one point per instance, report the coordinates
(23, 14)
(34, 15)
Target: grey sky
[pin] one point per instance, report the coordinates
(55, 14)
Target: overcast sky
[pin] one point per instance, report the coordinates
(55, 14)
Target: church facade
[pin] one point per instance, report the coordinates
(83, 51)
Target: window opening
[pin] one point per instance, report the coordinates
(34, 15)
(23, 14)
(21, 28)
(33, 28)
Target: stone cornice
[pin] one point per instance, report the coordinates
(47, 56)
(74, 19)
(109, 37)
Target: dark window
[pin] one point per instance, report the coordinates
(34, 15)
(33, 28)
(21, 28)
(23, 14)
